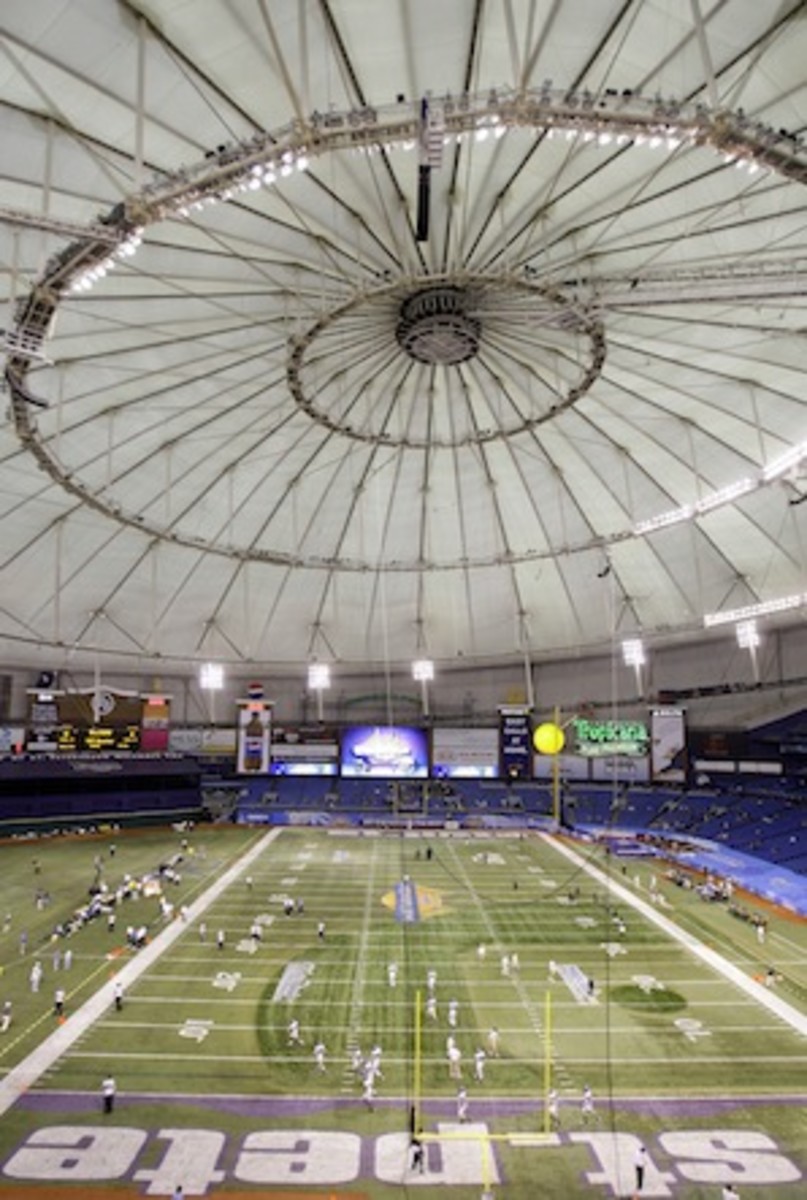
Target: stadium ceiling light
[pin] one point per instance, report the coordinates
(423, 670)
(423, 673)
(319, 676)
(211, 676)
(783, 465)
(747, 635)
(786, 462)
(750, 612)
(748, 639)
(633, 653)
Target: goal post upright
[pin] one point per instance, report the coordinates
(547, 1057)
(417, 1076)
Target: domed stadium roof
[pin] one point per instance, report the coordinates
(364, 331)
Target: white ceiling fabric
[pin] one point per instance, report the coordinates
(240, 460)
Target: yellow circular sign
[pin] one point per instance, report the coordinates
(549, 738)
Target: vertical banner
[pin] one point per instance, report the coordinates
(668, 745)
(515, 742)
(254, 737)
(155, 723)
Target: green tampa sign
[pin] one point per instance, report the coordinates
(595, 738)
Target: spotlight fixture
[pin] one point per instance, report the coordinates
(633, 654)
(211, 676)
(319, 676)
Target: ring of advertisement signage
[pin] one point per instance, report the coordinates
(113, 722)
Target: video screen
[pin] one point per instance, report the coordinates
(464, 771)
(465, 753)
(385, 751)
(288, 766)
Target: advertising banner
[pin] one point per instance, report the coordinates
(254, 728)
(304, 750)
(669, 745)
(515, 742)
(465, 753)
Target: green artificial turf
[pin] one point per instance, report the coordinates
(677, 1055)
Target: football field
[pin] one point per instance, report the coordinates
(302, 1005)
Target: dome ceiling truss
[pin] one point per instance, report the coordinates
(504, 333)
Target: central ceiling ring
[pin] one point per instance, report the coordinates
(443, 323)
(435, 328)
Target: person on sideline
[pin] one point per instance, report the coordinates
(108, 1090)
(640, 1166)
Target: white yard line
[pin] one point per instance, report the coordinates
(360, 971)
(761, 994)
(533, 1009)
(25, 1074)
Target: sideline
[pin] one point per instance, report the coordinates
(25, 1074)
(757, 991)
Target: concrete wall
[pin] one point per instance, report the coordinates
(712, 678)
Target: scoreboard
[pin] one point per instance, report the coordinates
(74, 739)
(95, 723)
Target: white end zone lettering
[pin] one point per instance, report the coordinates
(191, 1156)
(729, 1156)
(73, 1153)
(464, 1157)
(460, 1155)
(299, 1156)
(615, 1152)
